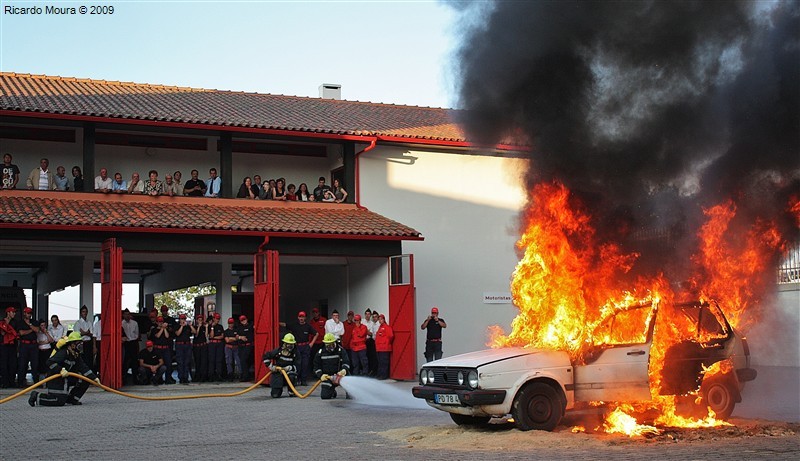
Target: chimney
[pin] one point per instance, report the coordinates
(330, 91)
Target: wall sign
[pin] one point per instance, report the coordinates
(496, 297)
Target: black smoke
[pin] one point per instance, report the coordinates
(648, 111)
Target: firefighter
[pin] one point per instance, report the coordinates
(65, 358)
(287, 358)
(330, 360)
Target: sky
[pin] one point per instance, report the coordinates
(395, 52)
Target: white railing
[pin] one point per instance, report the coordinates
(789, 270)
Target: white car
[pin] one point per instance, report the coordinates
(536, 386)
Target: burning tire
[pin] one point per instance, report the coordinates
(467, 420)
(537, 407)
(718, 396)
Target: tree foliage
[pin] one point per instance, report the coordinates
(182, 301)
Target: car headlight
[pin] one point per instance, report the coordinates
(472, 379)
(460, 378)
(423, 377)
(430, 377)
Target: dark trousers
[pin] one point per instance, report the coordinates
(8, 364)
(146, 376)
(359, 362)
(200, 352)
(88, 353)
(304, 352)
(383, 364)
(96, 364)
(433, 350)
(130, 358)
(44, 354)
(166, 356)
(246, 361)
(58, 394)
(277, 381)
(183, 355)
(216, 360)
(28, 354)
(328, 390)
(372, 357)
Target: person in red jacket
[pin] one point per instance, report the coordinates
(358, 347)
(348, 334)
(318, 323)
(383, 345)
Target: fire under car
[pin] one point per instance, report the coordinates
(537, 386)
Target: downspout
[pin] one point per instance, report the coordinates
(264, 243)
(358, 176)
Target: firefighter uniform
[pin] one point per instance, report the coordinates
(183, 349)
(287, 358)
(200, 351)
(66, 358)
(8, 349)
(216, 349)
(28, 352)
(329, 360)
(246, 338)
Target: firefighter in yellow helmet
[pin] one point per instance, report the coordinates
(330, 360)
(283, 358)
(64, 359)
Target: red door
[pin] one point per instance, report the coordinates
(402, 318)
(265, 306)
(111, 320)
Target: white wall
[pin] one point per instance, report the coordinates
(466, 208)
(369, 284)
(774, 340)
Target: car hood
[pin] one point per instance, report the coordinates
(484, 357)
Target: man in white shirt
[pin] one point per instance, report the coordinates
(213, 184)
(103, 184)
(137, 185)
(84, 327)
(334, 326)
(97, 334)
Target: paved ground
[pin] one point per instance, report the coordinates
(253, 426)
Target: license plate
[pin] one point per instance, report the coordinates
(446, 399)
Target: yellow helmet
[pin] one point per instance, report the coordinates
(329, 338)
(74, 336)
(288, 338)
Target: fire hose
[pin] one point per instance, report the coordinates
(176, 397)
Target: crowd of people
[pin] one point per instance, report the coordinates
(42, 178)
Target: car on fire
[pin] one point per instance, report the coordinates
(537, 386)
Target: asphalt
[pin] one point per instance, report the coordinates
(255, 426)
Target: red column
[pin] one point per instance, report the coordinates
(402, 317)
(111, 317)
(265, 306)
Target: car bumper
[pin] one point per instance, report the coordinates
(746, 374)
(467, 397)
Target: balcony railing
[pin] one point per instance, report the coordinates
(789, 270)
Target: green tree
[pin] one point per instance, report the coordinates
(182, 301)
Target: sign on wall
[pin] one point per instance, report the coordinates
(496, 297)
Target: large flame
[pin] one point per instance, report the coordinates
(567, 282)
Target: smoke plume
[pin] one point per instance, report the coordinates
(648, 111)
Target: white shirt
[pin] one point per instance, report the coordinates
(131, 330)
(57, 332)
(100, 183)
(82, 324)
(43, 340)
(96, 330)
(373, 328)
(336, 328)
(44, 184)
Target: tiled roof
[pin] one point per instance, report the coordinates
(88, 211)
(134, 101)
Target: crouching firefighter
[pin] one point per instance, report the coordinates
(64, 359)
(286, 358)
(330, 365)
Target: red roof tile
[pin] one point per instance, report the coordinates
(134, 101)
(186, 214)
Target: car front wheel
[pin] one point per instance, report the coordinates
(717, 395)
(537, 407)
(467, 420)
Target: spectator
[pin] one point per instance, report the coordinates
(290, 193)
(318, 323)
(97, 334)
(41, 178)
(358, 346)
(56, 329)
(335, 327)
(246, 336)
(130, 344)
(280, 189)
(200, 330)
(8, 349)
(45, 341)
(257, 184)
(119, 186)
(84, 327)
(194, 187)
(28, 352)
(153, 186)
(433, 343)
(267, 191)
(213, 184)
(161, 337)
(77, 179)
(349, 323)
(62, 182)
(319, 191)
(102, 184)
(171, 187)
(216, 348)
(10, 173)
(136, 186)
(247, 190)
(339, 192)
(151, 365)
(303, 194)
(306, 336)
(232, 360)
(372, 353)
(383, 345)
(176, 176)
(183, 348)
(328, 196)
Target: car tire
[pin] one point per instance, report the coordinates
(537, 407)
(718, 396)
(467, 420)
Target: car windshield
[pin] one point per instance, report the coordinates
(701, 322)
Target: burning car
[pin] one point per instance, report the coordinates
(622, 360)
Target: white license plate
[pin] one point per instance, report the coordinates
(446, 399)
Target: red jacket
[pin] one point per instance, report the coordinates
(358, 340)
(348, 333)
(319, 325)
(383, 338)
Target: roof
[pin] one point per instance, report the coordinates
(75, 211)
(41, 94)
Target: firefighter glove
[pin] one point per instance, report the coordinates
(272, 368)
(64, 373)
(342, 373)
(324, 377)
(289, 368)
(97, 380)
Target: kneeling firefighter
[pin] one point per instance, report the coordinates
(286, 358)
(64, 359)
(330, 365)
